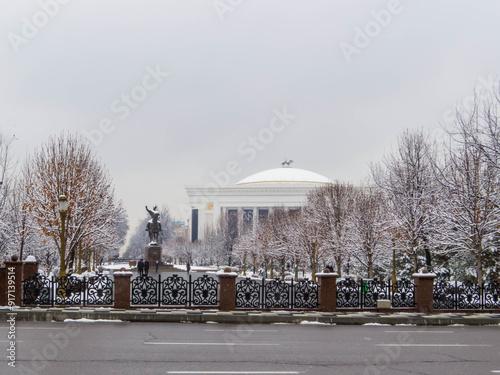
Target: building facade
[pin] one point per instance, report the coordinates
(251, 199)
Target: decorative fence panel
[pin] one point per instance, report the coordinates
(175, 291)
(68, 290)
(248, 294)
(37, 290)
(403, 293)
(453, 295)
(276, 294)
(366, 293)
(144, 291)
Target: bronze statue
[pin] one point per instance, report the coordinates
(154, 225)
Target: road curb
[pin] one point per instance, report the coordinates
(248, 317)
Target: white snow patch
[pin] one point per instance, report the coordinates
(211, 322)
(208, 269)
(85, 320)
(377, 324)
(117, 266)
(310, 322)
(221, 272)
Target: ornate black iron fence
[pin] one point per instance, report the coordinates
(366, 293)
(68, 290)
(175, 291)
(454, 295)
(275, 294)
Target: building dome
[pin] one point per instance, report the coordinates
(285, 175)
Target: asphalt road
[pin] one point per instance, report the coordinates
(179, 348)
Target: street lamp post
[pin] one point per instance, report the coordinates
(63, 210)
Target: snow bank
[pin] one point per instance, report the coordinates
(221, 272)
(85, 320)
(309, 322)
(117, 266)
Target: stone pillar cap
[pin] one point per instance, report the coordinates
(226, 273)
(327, 274)
(425, 274)
(123, 273)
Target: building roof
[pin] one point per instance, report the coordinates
(285, 175)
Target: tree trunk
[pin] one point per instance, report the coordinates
(338, 262)
(415, 262)
(370, 267)
(428, 260)
(313, 262)
(479, 268)
(283, 266)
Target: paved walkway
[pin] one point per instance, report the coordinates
(248, 317)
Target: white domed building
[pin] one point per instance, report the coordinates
(251, 199)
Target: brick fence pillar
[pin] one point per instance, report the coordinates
(227, 283)
(327, 290)
(13, 280)
(30, 268)
(122, 289)
(424, 291)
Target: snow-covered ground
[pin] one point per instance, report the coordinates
(208, 269)
(117, 266)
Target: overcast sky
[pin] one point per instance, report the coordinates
(170, 92)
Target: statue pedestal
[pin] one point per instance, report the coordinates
(152, 253)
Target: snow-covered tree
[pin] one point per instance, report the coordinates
(65, 165)
(7, 182)
(406, 177)
(215, 245)
(469, 208)
(330, 209)
(310, 239)
(368, 239)
(183, 250)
